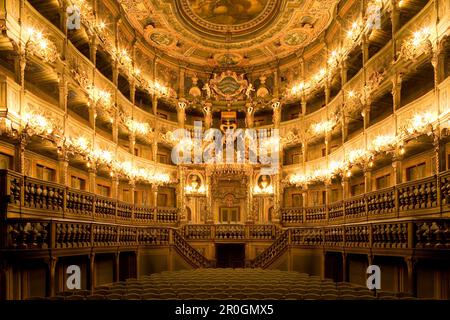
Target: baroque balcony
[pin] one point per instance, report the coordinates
(29, 197)
(428, 196)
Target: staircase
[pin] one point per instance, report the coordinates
(195, 258)
(270, 254)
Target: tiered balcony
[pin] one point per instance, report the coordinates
(29, 198)
(419, 198)
(420, 237)
(230, 232)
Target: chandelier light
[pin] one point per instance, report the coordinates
(38, 45)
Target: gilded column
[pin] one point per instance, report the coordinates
(181, 113)
(181, 197)
(209, 218)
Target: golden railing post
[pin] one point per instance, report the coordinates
(116, 209)
(213, 232)
(52, 235)
(92, 235)
(171, 237)
(410, 235)
(94, 204)
(65, 201)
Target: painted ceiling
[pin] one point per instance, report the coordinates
(229, 33)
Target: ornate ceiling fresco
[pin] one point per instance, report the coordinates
(229, 33)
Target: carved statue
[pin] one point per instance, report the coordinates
(276, 106)
(207, 89)
(249, 91)
(208, 116)
(249, 117)
(181, 113)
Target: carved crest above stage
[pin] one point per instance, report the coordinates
(229, 86)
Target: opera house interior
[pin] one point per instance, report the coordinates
(224, 149)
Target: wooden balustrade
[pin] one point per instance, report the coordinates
(198, 232)
(28, 234)
(42, 195)
(303, 236)
(79, 202)
(315, 214)
(144, 213)
(414, 234)
(105, 207)
(262, 231)
(355, 207)
(35, 234)
(230, 232)
(411, 197)
(432, 234)
(195, 257)
(292, 215)
(36, 197)
(11, 184)
(72, 235)
(356, 236)
(124, 210)
(381, 201)
(336, 210)
(167, 215)
(153, 236)
(390, 235)
(334, 236)
(273, 251)
(421, 194)
(43, 198)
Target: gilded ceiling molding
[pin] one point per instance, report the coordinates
(229, 34)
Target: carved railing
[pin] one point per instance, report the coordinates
(413, 234)
(144, 213)
(416, 195)
(28, 235)
(292, 214)
(79, 202)
(390, 235)
(72, 235)
(124, 210)
(432, 234)
(273, 251)
(309, 237)
(381, 201)
(11, 187)
(167, 215)
(24, 234)
(336, 210)
(355, 207)
(153, 236)
(356, 236)
(43, 198)
(191, 254)
(230, 232)
(198, 232)
(262, 232)
(333, 237)
(105, 207)
(405, 199)
(42, 195)
(314, 214)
